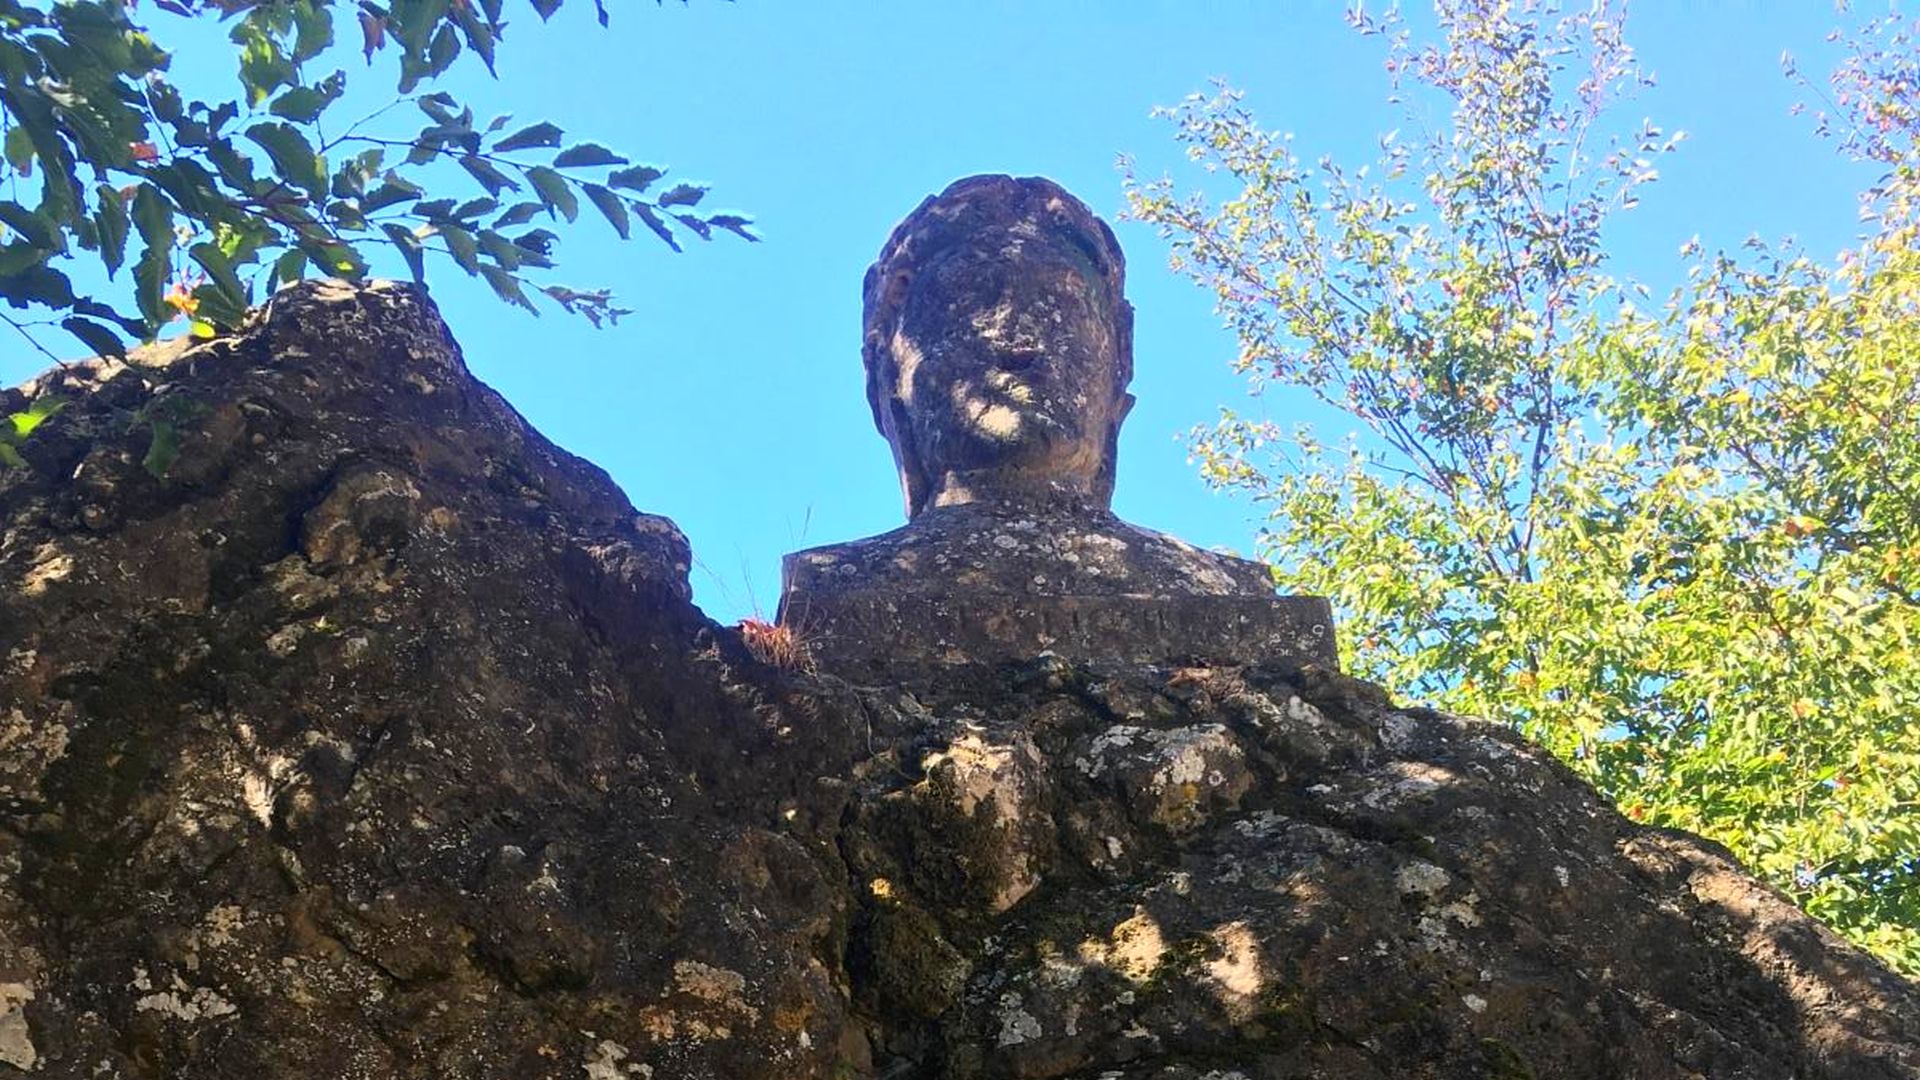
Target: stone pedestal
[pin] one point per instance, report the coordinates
(967, 586)
(877, 635)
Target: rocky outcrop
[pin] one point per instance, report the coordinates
(378, 738)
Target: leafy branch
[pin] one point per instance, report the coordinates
(213, 204)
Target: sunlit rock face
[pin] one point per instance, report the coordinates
(998, 345)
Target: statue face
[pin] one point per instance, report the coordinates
(1005, 360)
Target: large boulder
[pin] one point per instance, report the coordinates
(378, 738)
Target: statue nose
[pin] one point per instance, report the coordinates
(1017, 359)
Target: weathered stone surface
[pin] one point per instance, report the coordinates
(1260, 876)
(380, 741)
(978, 584)
(998, 345)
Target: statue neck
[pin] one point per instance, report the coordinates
(1016, 492)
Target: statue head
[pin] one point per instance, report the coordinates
(998, 346)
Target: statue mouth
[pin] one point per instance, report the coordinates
(1017, 361)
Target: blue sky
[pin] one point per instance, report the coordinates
(732, 401)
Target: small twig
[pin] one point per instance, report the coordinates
(35, 342)
(355, 126)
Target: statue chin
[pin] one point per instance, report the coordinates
(1002, 435)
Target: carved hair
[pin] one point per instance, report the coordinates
(965, 209)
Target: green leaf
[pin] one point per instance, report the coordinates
(538, 241)
(37, 412)
(462, 246)
(313, 28)
(534, 248)
(235, 168)
(441, 108)
(637, 178)
(152, 274)
(426, 148)
(410, 249)
(220, 115)
(19, 149)
(133, 327)
(264, 68)
(479, 35)
(490, 177)
(93, 139)
(413, 21)
(735, 224)
(18, 258)
(304, 104)
(586, 154)
(445, 48)
(290, 267)
(192, 189)
(38, 284)
(98, 339)
(11, 457)
(517, 214)
(541, 134)
(501, 250)
(612, 207)
(388, 194)
(659, 227)
(293, 157)
(220, 271)
(554, 192)
(154, 216)
(60, 191)
(216, 308)
(507, 287)
(334, 258)
(682, 195)
(168, 106)
(33, 228)
(474, 208)
(546, 8)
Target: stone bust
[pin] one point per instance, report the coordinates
(998, 345)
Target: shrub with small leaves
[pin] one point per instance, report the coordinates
(1678, 545)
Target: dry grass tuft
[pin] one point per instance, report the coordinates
(776, 644)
